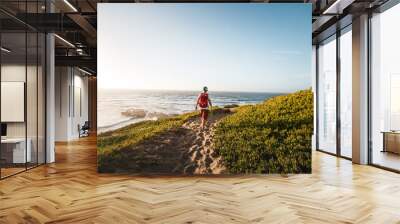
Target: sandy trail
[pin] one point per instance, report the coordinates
(185, 150)
(202, 157)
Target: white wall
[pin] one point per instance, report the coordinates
(62, 82)
(70, 84)
(80, 110)
(12, 73)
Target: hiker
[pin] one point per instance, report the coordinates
(203, 100)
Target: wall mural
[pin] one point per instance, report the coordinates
(187, 89)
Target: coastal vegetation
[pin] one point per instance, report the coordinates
(270, 137)
(110, 143)
(113, 145)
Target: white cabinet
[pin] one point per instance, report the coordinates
(19, 155)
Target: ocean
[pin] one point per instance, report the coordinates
(118, 108)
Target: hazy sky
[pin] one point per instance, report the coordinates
(227, 47)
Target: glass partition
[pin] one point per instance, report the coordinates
(14, 153)
(346, 93)
(385, 89)
(31, 97)
(22, 101)
(327, 95)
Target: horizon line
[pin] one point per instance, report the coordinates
(188, 90)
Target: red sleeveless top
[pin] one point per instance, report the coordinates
(203, 100)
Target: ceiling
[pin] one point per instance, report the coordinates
(75, 21)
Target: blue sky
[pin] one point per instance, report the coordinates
(227, 47)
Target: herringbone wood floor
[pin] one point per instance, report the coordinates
(71, 191)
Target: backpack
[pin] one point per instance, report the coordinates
(203, 100)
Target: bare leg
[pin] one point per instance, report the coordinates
(201, 120)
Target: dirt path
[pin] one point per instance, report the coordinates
(202, 157)
(185, 150)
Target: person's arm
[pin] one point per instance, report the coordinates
(209, 102)
(197, 102)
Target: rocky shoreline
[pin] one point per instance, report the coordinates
(141, 113)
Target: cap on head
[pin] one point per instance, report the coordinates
(205, 88)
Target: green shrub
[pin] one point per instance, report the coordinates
(109, 144)
(272, 137)
(134, 133)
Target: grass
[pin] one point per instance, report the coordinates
(111, 144)
(272, 137)
(133, 134)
